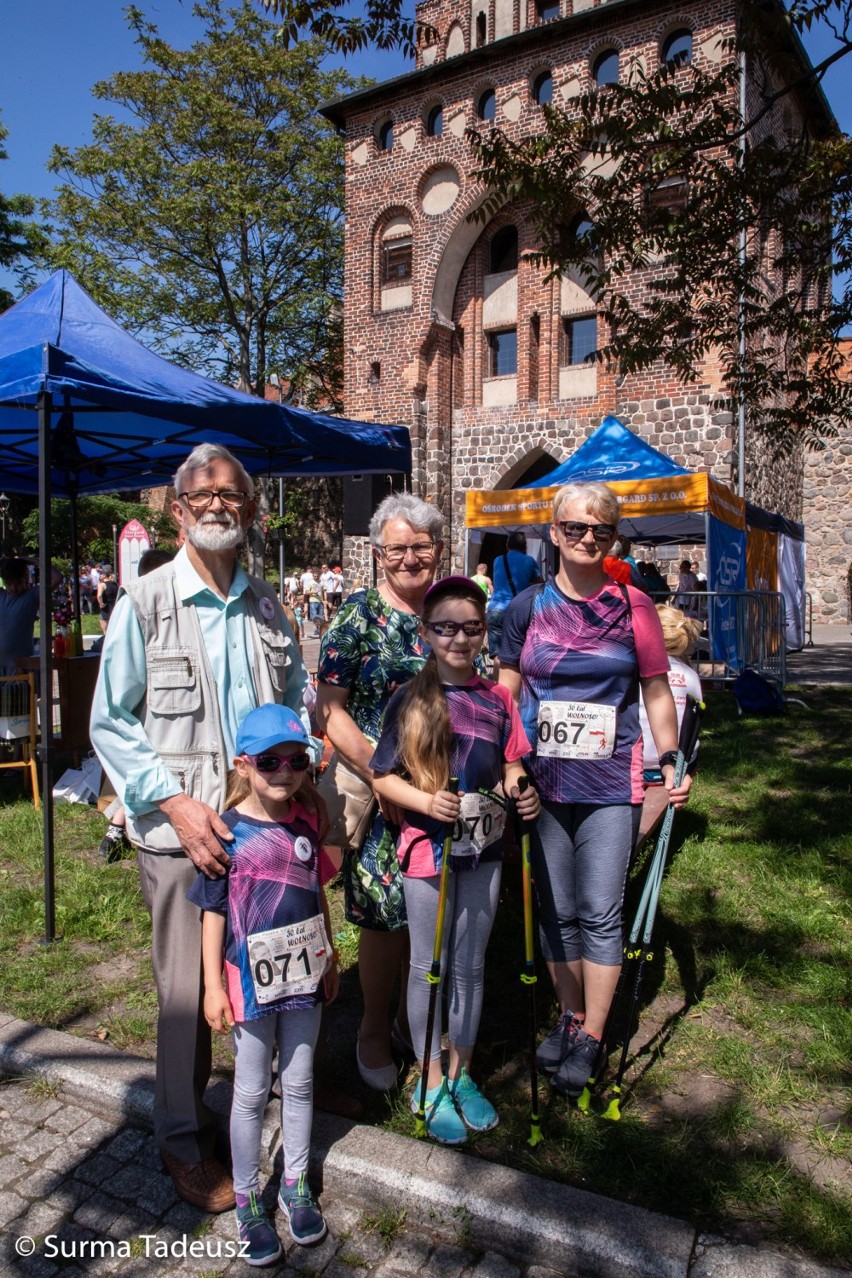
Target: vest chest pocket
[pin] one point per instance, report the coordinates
(275, 654)
(173, 686)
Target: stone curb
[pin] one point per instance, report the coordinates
(482, 1204)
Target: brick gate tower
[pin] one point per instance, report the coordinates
(448, 328)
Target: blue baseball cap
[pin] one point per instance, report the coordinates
(269, 726)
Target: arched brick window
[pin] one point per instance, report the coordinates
(435, 121)
(486, 105)
(542, 88)
(605, 68)
(395, 248)
(676, 50)
(384, 136)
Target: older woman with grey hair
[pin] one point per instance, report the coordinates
(372, 647)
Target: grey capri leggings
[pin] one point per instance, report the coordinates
(580, 853)
(471, 906)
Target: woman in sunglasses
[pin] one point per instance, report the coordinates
(574, 654)
(449, 722)
(266, 925)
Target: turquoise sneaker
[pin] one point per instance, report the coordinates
(478, 1114)
(301, 1212)
(260, 1243)
(442, 1121)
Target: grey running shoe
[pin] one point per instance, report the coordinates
(553, 1049)
(576, 1067)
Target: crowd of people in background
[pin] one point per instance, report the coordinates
(314, 599)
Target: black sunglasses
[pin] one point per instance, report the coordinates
(268, 764)
(449, 629)
(575, 530)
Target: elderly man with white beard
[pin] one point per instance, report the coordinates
(191, 649)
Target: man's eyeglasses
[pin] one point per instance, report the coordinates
(200, 498)
(396, 554)
(574, 530)
(449, 629)
(269, 764)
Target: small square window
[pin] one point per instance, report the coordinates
(503, 353)
(396, 261)
(579, 340)
(545, 10)
(666, 198)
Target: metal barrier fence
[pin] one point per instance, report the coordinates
(739, 628)
(809, 619)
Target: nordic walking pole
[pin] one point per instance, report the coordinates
(528, 975)
(645, 917)
(433, 976)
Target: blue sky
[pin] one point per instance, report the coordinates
(55, 50)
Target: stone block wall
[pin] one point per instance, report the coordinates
(827, 516)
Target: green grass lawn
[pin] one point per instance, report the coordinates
(736, 1113)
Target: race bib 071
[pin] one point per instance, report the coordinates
(288, 960)
(575, 730)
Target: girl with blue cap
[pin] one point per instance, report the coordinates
(266, 929)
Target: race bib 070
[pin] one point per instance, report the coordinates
(288, 960)
(481, 822)
(575, 730)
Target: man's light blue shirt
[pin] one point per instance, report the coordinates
(132, 763)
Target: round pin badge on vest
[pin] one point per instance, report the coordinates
(303, 848)
(267, 608)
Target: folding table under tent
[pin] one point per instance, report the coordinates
(663, 504)
(85, 408)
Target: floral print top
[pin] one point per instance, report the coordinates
(372, 649)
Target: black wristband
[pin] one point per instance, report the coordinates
(668, 758)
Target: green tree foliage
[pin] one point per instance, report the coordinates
(96, 516)
(20, 237)
(208, 215)
(736, 227)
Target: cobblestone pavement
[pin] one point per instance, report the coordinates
(81, 1193)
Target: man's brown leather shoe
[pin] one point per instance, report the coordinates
(206, 1184)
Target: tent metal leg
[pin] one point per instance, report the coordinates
(45, 748)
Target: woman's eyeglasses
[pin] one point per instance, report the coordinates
(269, 764)
(420, 549)
(449, 629)
(574, 530)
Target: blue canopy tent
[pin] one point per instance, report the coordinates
(611, 453)
(85, 408)
(125, 418)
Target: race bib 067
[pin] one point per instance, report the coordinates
(575, 730)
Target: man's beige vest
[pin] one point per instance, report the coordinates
(180, 710)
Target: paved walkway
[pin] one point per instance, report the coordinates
(829, 661)
(82, 1192)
